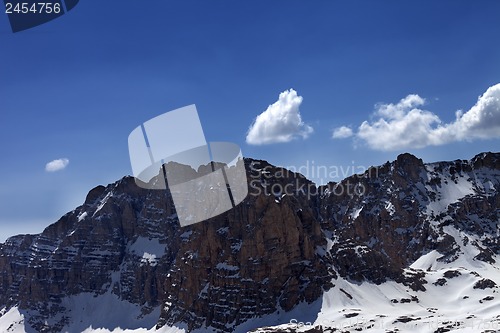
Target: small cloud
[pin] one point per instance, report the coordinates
(56, 165)
(280, 122)
(342, 132)
(406, 125)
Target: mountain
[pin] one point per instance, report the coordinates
(403, 245)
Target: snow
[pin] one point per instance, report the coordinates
(355, 213)
(451, 189)
(237, 246)
(347, 306)
(82, 216)
(453, 304)
(223, 230)
(389, 207)
(186, 234)
(89, 310)
(371, 308)
(95, 314)
(427, 261)
(225, 266)
(150, 259)
(12, 321)
(149, 250)
(102, 203)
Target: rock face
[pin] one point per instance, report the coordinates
(285, 244)
(402, 211)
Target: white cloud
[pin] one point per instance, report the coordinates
(406, 125)
(281, 122)
(342, 132)
(56, 165)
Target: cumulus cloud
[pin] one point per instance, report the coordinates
(407, 125)
(342, 132)
(280, 122)
(56, 165)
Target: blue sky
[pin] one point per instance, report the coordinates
(74, 88)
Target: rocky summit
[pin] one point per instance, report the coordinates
(403, 243)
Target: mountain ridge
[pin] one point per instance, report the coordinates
(270, 254)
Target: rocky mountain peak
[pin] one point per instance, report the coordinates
(487, 160)
(94, 194)
(287, 243)
(410, 166)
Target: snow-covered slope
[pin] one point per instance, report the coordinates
(455, 299)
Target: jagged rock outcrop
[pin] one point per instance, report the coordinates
(389, 216)
(253, 260)
(286, 243)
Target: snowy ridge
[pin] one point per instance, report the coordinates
(456, 306)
